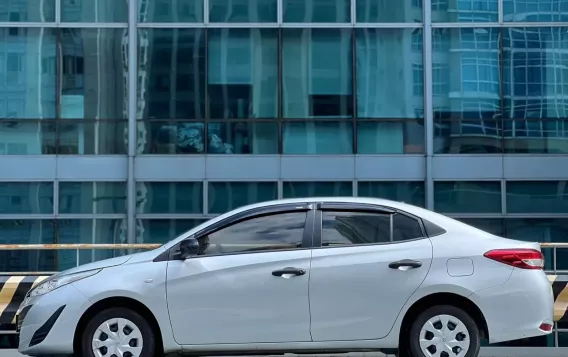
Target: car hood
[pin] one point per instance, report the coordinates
(106, 263)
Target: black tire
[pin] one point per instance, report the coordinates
(464, 317)
(148, 338)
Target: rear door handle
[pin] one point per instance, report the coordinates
(405, 263)
(286, 272)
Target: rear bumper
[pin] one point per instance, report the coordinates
(517, 308)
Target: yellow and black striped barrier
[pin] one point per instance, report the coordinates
(560, 289)
(13, 289)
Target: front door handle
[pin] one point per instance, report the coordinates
(287, 272)
(405, 263)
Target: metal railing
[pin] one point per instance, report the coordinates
(78, 247)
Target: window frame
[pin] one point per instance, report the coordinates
(360, 208)
(307, 238)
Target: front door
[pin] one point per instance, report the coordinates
(354, 294)
(248, 285)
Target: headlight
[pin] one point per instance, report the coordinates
(58, 281)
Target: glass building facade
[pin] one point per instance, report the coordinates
(133, 121)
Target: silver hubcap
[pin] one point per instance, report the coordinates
(117, 338)
(444, 336)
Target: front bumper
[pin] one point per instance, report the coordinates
(47, 323)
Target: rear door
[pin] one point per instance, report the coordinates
(370, 262)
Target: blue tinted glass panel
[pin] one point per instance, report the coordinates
(92, 197)
(316, 138)
(170, 11)
(317, 189)
(93, 69)
(169, 197)
(242, 138)
(317, 11)
(537, 197)
(462, 136)
(160, 231)
(389, 11)
(27, 11)
(94, 11)
(244, 83)
(378, 62)
(541, 136)
(225, 196)
(28, 62)
(28, 137)
(24, 231)
(535, 10)
(390, 137)
(26, 197)
(467, 197)
(243, 11)
(543, 231)
(407, 192)
(468, 59)
(315, 84)
(465, 11)
(89, 231)
(172, 137)
(89, 137)
(533, 67)
(172, 65)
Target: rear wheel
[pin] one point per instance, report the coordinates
(118, 332)
(444, 331)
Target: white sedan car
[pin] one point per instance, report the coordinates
(313, 275)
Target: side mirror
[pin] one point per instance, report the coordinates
(188, 248)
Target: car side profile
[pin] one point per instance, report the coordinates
(311, 275)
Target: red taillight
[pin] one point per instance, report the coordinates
(545, 327)
(520, 258)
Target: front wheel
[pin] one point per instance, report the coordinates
(118, 332)
(444, 331)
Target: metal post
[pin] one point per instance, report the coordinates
(77, 257)
(428, 106)
(132, 117)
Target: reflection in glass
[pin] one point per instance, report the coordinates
(315, 83)
(170, 11)
(242, 11)
(160, 231)
(78, 137)
(537, 197)
(27, 137)
(535, 10)
(317, 189)
(467, 197)
(94, 11)
(465, 11)
(379, 54)
(92, 197)
(468, 136)
(171, 137)
(89, 231)
(407, 192)
(330, 11)
(225, 196)
(26, 197)
(243, 80)
(93, 74)
(260, 138)
(28, 75)
(547, 230)
(27, 231)
(545, 136)
(390, 137)
(354, 228)
(279, 231)
(169, 197)
(534, 71)
(317, 138)
(171, 73)
(389, 11)
(27, 11)
(471, 56)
